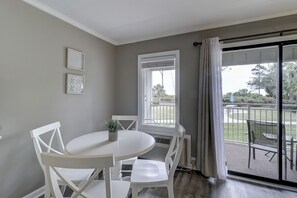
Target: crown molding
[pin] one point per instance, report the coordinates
(69, 20)
(89, 30)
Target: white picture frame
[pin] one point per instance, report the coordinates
(75, 84)
(75, 59)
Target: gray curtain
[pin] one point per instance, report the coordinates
(210, 139)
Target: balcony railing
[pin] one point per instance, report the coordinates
(161, 114)
(236, 114)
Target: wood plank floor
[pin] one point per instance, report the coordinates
(191, 184)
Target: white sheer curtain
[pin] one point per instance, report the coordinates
(210, 147)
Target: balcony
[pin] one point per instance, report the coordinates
(236, 137)
(237, 160)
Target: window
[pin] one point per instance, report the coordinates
(158, 91)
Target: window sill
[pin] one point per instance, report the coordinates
(155, 131)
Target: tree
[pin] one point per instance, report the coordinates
(290, 81)
(264, 78)
(245, 96)
(242, 92)
(257, 83)
(269, 80)
(159, 92)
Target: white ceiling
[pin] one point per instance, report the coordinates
(126, 21)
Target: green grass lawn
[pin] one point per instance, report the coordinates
(237, 132)
(261, 114)
(233, 131)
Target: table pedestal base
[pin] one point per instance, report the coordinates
(116, 171)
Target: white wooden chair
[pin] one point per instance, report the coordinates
(126, 123)
(150, 173)
(106, 188)
(48, 139)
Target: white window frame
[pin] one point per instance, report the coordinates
(141, 88)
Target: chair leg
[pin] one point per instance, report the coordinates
(291, 154)
(47, 193)
(272, 157)
(284, 153)
(249, 162)
(170, 190)
(286, 170)
(296, 159)
(134, 191)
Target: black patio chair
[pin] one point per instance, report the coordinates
(264, 136)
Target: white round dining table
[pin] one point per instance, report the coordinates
(129, 144)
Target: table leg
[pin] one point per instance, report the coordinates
(116, 171)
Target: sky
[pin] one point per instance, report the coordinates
(168, 80)
(236, 77)
(233, 79)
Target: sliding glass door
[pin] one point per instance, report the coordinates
(289, 108)
(260, 107)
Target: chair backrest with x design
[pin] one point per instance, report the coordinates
(265, 133)
(54, 162)
(126, 122)
(48, 139)
(174, 151)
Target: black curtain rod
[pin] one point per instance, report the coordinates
(250, 36)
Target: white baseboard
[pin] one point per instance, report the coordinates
(36, 193)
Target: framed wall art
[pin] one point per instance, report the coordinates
(75, 59)
(75, 84)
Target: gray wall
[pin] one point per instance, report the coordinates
(32, 83)
(32, 89)
(126, 66)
